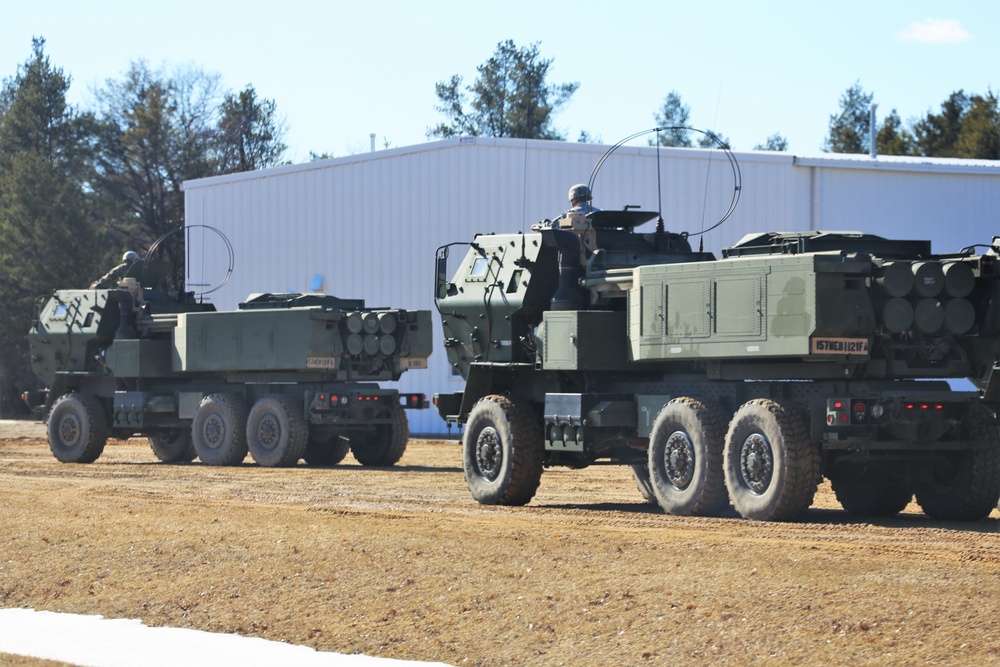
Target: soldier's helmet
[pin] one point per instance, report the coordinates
(579, 191)
(130, 256)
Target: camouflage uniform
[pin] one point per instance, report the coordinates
(111, 279)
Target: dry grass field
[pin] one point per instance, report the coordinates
(401, 562)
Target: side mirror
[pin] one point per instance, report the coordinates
(441, 284)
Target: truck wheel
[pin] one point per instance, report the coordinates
(875, 494)
(968, 487)
(386, 447)
(276, 432)
(640, 473)
(77, 428)
(219, 430)
(173, 446)
(772, 468)
(685, 458)
(327, 451)
(502, 451)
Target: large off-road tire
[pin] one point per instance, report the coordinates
(77, 428)
(502, 451)
(325, 451)
(173, 446)
(640, 473)
(873, 493)
(968, 487)
(772, 468)
(277, 431)
(685, 458)
(388, 443)
(219, 430)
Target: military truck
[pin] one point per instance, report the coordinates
(285, 377)
(745, 379)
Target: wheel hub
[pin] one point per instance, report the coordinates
(269, 432)
(214, 431)
(489, 453)
(678, 459)
(70, 430)
(756, 463)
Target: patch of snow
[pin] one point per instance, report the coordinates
(93, 641)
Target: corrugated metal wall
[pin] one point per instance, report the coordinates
(369, 224)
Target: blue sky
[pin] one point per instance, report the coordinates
(341, 71)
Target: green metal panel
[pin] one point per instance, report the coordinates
(559, 336)
(737, 306)
(743, 308)
(254, 340)
(133, 358)
(612, 414)
(787, 315)
(583, 340)
(418, 344)
(687, 307)
(647, 407)
(653, 304)
(187, 403)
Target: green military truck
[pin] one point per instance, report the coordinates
(285, 377)
(742, 380)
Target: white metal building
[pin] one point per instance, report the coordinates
(367, 226)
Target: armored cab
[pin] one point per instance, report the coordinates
(742, 379)
(285, 377)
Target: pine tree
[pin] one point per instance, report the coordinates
(249, 134)
(673, 118)
(849, 129)
(510, 97)
(47, 228)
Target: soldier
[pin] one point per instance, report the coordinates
(111, 278)
(576, 220)
(580, 198)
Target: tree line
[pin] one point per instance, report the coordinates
(511, 98)
(967, 126)
(78, 187)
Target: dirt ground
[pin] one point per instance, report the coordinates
(401, 562)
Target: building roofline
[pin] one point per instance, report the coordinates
(901, 163)
(825, 160)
